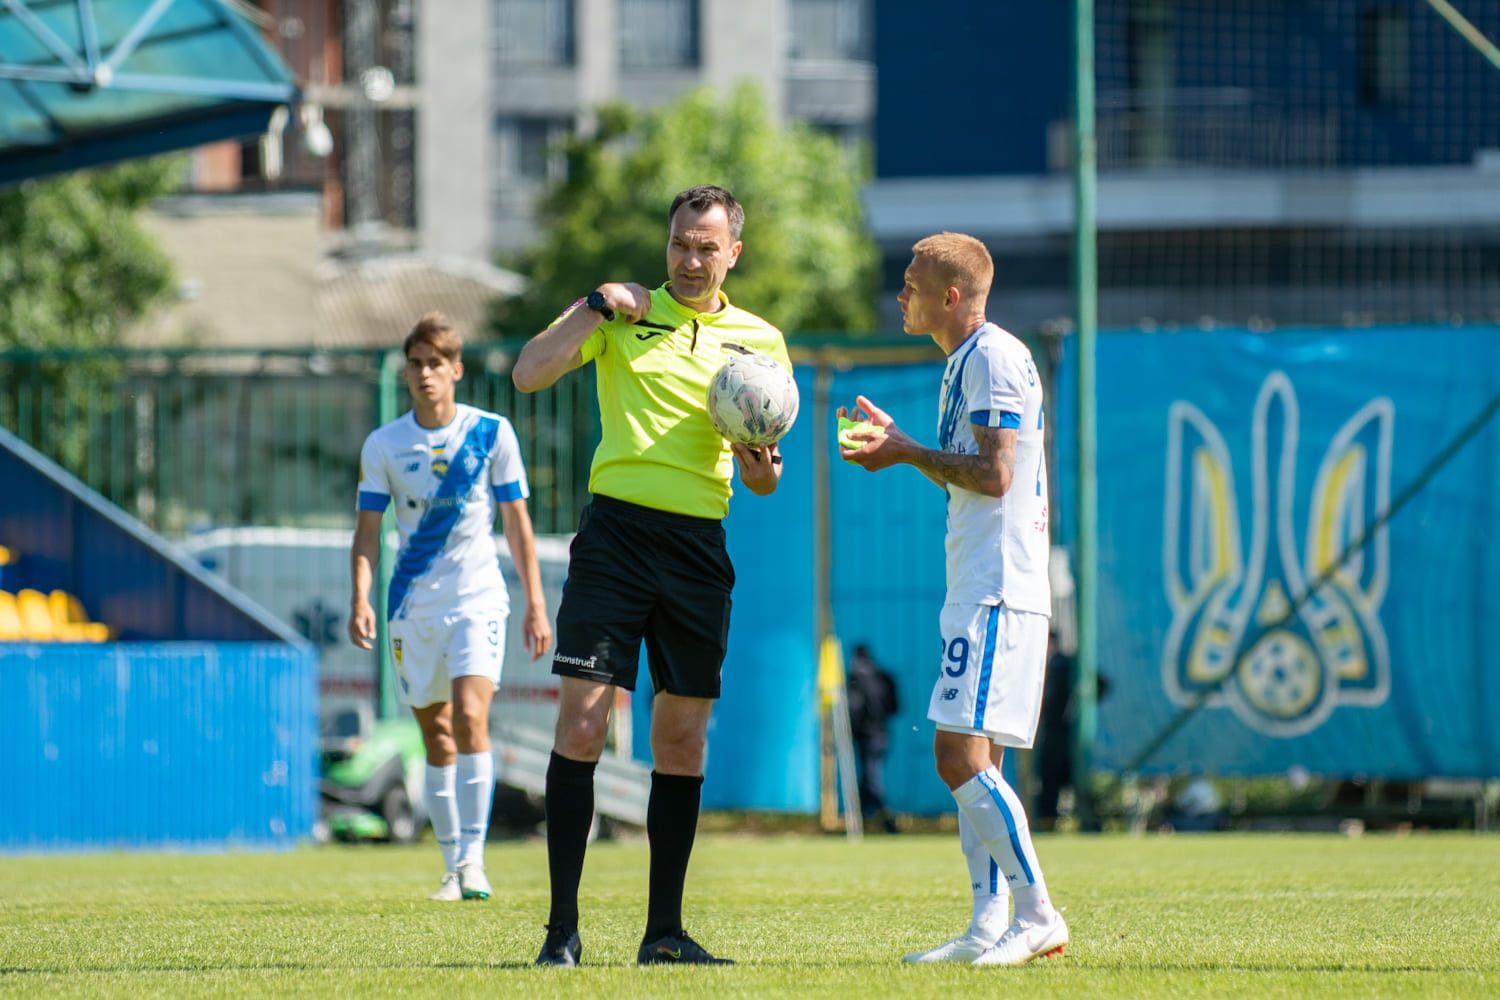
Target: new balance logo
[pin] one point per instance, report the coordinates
(413, 467)
(949, 694)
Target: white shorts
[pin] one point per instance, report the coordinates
(990, 681)
(428, 653)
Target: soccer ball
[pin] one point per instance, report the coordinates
(752, 400)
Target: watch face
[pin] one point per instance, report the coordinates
(595, 301)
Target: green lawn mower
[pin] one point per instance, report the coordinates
(371, 788)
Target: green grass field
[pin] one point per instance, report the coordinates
(1252, 916)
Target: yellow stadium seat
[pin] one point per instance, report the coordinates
(6, 556)
(36, 617)
(10, 619)
(70, 623)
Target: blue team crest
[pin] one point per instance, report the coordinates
(1239, 634)
(439, 461)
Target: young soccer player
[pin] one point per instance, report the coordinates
(994, 621)
(447, 467)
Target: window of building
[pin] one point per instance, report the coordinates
(535, 32)
(1384, 57)
(658, 34)
(830, 29)
(529, 148)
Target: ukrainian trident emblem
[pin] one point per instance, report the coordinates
(1247, 633)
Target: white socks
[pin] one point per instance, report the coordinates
(991, 897)
(999, 822)
(476, 789)
(442, 809)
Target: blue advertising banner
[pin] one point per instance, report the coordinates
(1235, 470)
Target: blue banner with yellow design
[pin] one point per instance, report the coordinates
(1237, 470)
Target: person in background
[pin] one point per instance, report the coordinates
(872, 702)
(1054, 745)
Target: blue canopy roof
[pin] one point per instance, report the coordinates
(86, 82)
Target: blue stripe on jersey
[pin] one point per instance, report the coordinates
(432, 532)
(1010, 825)
(954, 404)
(370, 500)
(994, 877)
(507, 491)
(986, 666)
(995, 418)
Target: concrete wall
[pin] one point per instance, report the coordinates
(454, 127)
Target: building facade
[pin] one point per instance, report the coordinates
(1269, 162)
(490, 116)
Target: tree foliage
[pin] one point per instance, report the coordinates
(808, 264)
(76, 268)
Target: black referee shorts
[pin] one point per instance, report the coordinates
(634, 573)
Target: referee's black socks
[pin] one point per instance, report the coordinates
(671, 824)
(570, 812)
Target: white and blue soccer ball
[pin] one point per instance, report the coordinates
(752, 400)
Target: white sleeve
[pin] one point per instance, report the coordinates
(374, 486)
(507, 473)
(995, 384)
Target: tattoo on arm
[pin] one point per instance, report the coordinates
(990, 472)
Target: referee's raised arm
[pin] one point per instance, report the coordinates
(556, 351)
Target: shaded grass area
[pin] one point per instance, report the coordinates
(1226, 915)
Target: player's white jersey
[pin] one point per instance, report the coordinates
(997, 546)
(445, 482)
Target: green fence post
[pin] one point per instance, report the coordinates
(1086, 290)
(387, 390)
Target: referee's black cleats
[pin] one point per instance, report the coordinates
(677, 949)
(562, 947)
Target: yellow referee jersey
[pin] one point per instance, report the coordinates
(658, 448)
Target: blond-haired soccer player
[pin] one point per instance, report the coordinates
(447, 467)
(988, 694)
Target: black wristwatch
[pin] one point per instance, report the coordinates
(595, 301)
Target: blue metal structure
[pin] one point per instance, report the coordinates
(85, 83)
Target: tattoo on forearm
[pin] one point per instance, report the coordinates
(990, 471)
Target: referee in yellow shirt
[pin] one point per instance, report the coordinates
(649, 560)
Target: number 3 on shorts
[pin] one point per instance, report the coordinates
(956, 652)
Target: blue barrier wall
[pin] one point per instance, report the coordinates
(1232, 468)
(157, 745)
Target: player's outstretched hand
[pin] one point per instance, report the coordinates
(362, 625)
(629, 300)
(536, 631)
(760, 468)
(882, 446)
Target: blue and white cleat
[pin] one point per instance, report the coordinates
(1022, 942)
